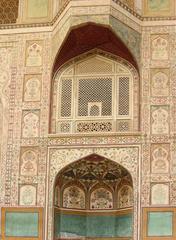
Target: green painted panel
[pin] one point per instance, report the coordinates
(124, 225)
(56, 224)
(160, 223)
(101, 226)
(130, 37)
(93, 226)
(72, 225)
(20, 224)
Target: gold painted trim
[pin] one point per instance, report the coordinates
(94, 213)
(95, 238)
(23, 210)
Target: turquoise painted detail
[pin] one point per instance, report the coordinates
(160, 224)
(159, 5)
(20, 224)
(100, 226)
(71, 225)
(93, 226)
(124, 225)
(130, 37)
(56, 224)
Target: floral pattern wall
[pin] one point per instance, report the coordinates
(30, 157)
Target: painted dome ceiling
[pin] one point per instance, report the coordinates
(94, 169)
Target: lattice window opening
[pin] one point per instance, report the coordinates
(95, 90)
(95, 65)
(107, 97)
(95, 108)
(64, 127)
(83, 127)
(123, 126)
(124, 96)
(65, 107)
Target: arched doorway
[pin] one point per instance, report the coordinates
(93, 199)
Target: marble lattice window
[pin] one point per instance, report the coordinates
(95, 94)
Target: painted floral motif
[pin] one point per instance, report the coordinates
(160, 160)
(125, 197)
(160, 194)
(34, 55)
(160, 48)
(32, 89)
(30, 126)
(101, 198)
(29, 163)
(160, 119)
(160, 84)
(73, 197)
(28, 195)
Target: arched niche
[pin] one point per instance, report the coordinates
(73, 197)
(95, 92)
(88, 36)
(60, 158)
(93, 180)
(125, 196)
(93, 50)
(101, 198)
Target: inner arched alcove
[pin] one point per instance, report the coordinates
(93, 199)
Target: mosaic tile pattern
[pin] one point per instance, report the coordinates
(8, 11)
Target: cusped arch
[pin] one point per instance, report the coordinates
(60, 188)
(110, 79)
(89, 168)
(73, 197)
(127, 157)
(91, 182)
(125, 196)
(101, 197)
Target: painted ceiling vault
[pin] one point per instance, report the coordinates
(93, 170)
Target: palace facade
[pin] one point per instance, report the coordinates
(88, 119)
